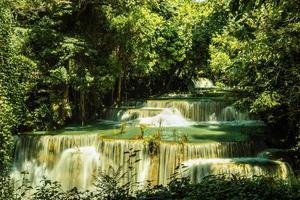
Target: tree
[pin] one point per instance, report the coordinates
(68, 63)
(134, 26)
(258, 52)
(16, 77)
(211, 21)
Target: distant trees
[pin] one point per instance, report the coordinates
(133, 26)
(151, 42)
(258, 52)
(71, 73)
(84, 54)
(69, 55)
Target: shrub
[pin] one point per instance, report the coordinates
(212, 187)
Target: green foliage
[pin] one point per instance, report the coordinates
(258, 53)
(152, 40)
(108, 187)
(12, 189)
(16, 74)
(67, 64)
(80, 49)
(5, 132)
(267, 100)
(212, 19)
(52, 191)
(222, 187)
(210, 188)
(154, 141)
(6, 110)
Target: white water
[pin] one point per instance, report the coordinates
(75, 160)
(248, 167)
(203, 83)
(77, 167)
(174, 112)
(169, 117)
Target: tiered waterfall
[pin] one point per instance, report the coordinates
(75, 160)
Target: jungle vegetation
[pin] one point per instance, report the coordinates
(210, 188)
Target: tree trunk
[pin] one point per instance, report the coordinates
(66, 110)
(82, 108)
(119, 95)
(112, 96)
(172, 78)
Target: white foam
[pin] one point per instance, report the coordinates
(169, 117)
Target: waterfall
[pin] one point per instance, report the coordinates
(167, 118)
(132, 114)
(71, 160)
(198, 168)
(76, 167)
(198, 110)
(201, 109)
(116, 155)
(172, 156)
(203, 83)
(74, 160)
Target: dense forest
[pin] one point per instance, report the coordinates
(64, 61)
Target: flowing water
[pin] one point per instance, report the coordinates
(199, 110)
(198, 168)
(75, 160)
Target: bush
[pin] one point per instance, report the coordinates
(211, 188)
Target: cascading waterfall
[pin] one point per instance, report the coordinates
(76, 167)
(132, 114)
(202, 109)
(172, 156)
(169, 117)
(75, 160)
(117, 155)
(71, 160)
(203, 83)
(199, 168)
(199, 110)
